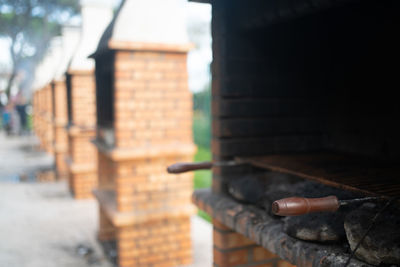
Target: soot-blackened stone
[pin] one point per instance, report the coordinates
(276, 192)
(382, 243)
(251, 188)
(321, 226)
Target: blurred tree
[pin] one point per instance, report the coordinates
(29, 25)
(202, 117)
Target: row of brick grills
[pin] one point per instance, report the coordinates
(70, 38)
(144, 113)
(256, 82)
(43, 97)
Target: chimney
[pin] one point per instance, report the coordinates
(96, 15)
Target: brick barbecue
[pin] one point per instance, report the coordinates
(143, 124)
(81, 101)
(301, 88)
(70, 37)
(43, 118)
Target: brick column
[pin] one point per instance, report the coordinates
(233, 249)
(38, 115)
(148, 211)
(42, 129)
(59, 126)
(42, 116)
(82, 161)
(46, 135)
(35, 112)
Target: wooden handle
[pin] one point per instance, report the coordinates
(189, 166)
(293, 206)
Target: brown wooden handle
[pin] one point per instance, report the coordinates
(293, 206)
(189, 166)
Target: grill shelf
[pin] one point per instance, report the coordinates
(267, 232)
(348, 172)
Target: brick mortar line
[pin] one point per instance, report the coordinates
(223, 231)
(252, 264)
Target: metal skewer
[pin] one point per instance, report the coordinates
(182, 167)
(294, 206)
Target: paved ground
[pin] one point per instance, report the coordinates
(19, 156)
(42, 226)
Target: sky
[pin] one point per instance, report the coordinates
(198, 22)
(199, 29)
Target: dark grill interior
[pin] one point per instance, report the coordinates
(104, 91)
(69, 98)
(319, 82)
(53, 100)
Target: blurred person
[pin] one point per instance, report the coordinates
(6, 117)
(15, 121)
(21, 111)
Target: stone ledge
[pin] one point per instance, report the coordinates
(80, 72)
(60, 148)
(74, 130)
(108, 204)
(119, 154)
(267, 231)
(138, 46)
(61, 123)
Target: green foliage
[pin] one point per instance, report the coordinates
(202, 138)
(29, 123)
(201, 129)
(202, 100)
(204, 215)
(202, 179)
(202, 117)
(30, 24)
(202, 135)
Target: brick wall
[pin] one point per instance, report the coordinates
(233, 249)
(147, 209)
(296, 94)
(82, 161)
(244, 121)
(43, 118)
(48, 131)
(60, 124)
(39, 117)
(35, 114)
(83, 99)
(152, 102)
(162, 243)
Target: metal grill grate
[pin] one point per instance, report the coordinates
(339, 170)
